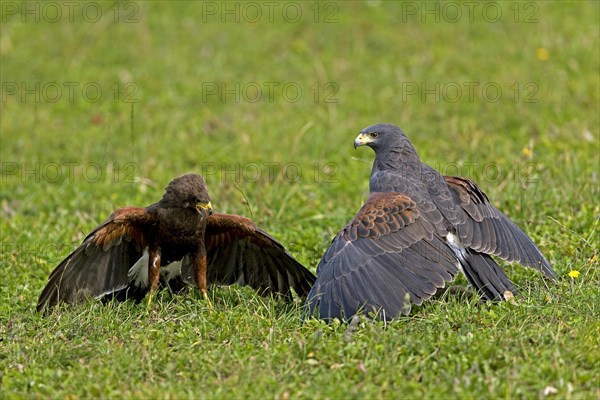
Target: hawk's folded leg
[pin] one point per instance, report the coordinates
(153, 271)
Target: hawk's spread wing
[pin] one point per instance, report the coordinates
(239, 252)
(485, 229)
(99, 266)
(386, 258)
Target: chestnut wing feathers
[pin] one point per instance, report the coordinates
(389, 254)
(485, 229)
(100, 264)
(238, 252)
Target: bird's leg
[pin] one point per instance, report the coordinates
(463, 292)
(200, 275)
(153, 271)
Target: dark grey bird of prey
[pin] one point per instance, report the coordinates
(416, 231)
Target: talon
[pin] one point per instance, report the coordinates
(150, 299)
(209, 303)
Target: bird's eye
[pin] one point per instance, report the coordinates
(373, 134)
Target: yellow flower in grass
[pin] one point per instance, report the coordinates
(574, 274)
(542, 54)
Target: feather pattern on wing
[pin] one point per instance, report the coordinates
(386, 258)
(100, 265)
(413, 234)
(239, 252)
(483, 228)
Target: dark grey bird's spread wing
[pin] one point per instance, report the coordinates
(100, 265)
(387, 257)
(485, 229)
(432, 193)
(377, 263)
(239, 252)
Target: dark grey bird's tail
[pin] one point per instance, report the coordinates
(486, 276)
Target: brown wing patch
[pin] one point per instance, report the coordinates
(100, 265)
(386, 258)
(467, 190)
(123, 223)
(222, 229)
(487, 230)
(382, 214)
(241, 253)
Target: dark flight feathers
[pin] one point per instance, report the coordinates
(100, 264)
(416, 231)
(239, 252)
(486, 229)
(113, 259)
(388, 232)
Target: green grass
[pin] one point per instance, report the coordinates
(537, 161)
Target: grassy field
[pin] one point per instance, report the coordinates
(103, 103)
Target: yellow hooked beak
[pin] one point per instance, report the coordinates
(363, 139)
(204, 206)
